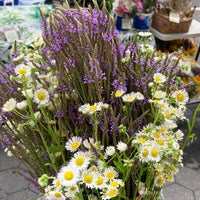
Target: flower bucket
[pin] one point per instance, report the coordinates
(161, 23)
(123, 23)
(141, 22)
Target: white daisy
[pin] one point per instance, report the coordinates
(154, 153)
(10, 105)
(181, 97)
(73, 143)
(159, 181)
(170, 124)
(121, 146)
(71, 191)
(52, 78)
(23, 70)
(109, 193)
(57, 183)
(159, 167)
(84, 108)
(41, 96)
(159, 78)
(56, 195)
(94, 168)
(185, 67)
(179, 134)
(119, 93)
(116, 183)
(95, 107)
(101, 165)
(104, 105)
(99, 181)
(110, 151)
(37, 115)
(68, 176)
(139, 96)
(129, 97)
(145, 154)
(28, 93)
(47, 191)
(80, 160)
(88, 178)
(22, 105)
(90, 143)
(169, 177)
(161, 143)
(159, 94)
(110, 173)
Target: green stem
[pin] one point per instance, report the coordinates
(190, 127)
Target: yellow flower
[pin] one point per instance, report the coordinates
(197, 79)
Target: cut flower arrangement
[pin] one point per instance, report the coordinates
(131, 7)
(90, 116)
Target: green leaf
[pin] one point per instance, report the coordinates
(56, 148)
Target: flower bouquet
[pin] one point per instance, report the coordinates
(90, 116)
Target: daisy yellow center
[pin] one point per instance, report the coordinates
(129, 98)
(57, 194)
(169, 177)
(94, 169)
(160, 181)
(160, 142)
(68, 175)
(9, 106)
(158, 168)
(88, 178)
(156, 135)
(145, 153)
(93, 108)
(180, 97)
(112, 193)
(80, 161)
(154, 152)
(41, 96)
(156, 100)
(114, 184)
(167, 115)
(57, 183)
(118, 93)
(110, 175)
(99, 181)
(73, 188)
(142, 140)
(75, 145)
(22, 71)
(163, 130)
(158, 79)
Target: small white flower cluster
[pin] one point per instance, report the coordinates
(85, 169)
(159, 144)
(91, 109)
(33, 90)
(130, 97)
